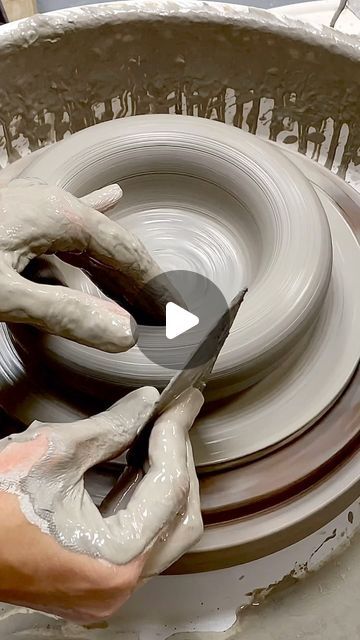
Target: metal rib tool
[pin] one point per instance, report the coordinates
(197, 376)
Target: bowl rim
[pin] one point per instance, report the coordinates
(264, 334)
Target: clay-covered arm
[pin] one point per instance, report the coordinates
(57, 552)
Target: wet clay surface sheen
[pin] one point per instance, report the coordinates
(265, 489)
(302, 90)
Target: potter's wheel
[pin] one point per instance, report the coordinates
(276, 231)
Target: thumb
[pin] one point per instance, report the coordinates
(103, 199)
(108, 434)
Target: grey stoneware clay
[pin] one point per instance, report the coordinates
(45, 465)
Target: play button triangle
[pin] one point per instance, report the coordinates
(178, 320)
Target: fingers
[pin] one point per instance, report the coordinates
(103, 199)
(119, 496)
(65, 312)
(106, 435)
(50, 220)
(164, 490)
(186, 530)
(121, 263)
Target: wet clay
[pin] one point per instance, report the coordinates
(290, 83)
(44, 467)
(196, 558)
(270, 484)
(36, 220)
(221, 203)
(202, 207)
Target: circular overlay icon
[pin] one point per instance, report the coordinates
(187, 338)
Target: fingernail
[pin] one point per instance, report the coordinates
(120, 330)
(105, 198)
(111, 194)
(196, 400)
(149, 394)
(191, 401)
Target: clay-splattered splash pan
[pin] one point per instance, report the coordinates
(277, 444)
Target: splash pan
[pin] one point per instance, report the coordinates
(277, 444)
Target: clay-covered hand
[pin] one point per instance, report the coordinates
(38, 220)
(58, 553)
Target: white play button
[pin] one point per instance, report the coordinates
(182, 294)
(178, 320)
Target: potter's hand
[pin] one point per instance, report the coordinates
(36, 220)
(57, 552)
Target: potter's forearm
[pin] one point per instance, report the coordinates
(35, 571)
(57, 551)
(53, 539)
